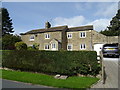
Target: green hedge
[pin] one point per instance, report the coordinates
(53, 62)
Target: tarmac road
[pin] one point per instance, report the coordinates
(15, 84)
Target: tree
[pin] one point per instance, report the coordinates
(114, 28)
(7, 27)
(9, 40)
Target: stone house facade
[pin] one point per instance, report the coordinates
(62, 37)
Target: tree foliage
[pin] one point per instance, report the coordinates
(9, 40)
(114, 28)
(7, 27)
(20, 46)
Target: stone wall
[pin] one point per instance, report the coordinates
(119, 41)
(92, 38)
(40, 39)
(112, 39)
(98, 38)
(76, 40)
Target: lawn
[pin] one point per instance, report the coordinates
(42, 79)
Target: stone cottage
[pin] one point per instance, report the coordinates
(62, 37)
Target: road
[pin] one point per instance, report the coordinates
(15, 84)
(111, 73)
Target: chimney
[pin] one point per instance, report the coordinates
(47, 25)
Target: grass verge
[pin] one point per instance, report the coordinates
(42, 79)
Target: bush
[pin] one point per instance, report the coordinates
(36, 46)
(53, 62)
(30, 48)
(20, 46)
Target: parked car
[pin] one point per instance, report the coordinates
(110, 50)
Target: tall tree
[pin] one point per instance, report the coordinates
(9, 40)
(7, 27)
(114, 28)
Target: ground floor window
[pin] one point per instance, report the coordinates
(47, 47)
(69, 47)
(82, 46)
(53, 45)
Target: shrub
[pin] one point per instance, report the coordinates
(53, 62)
(30, 48)
(36, 46)
(20, 46)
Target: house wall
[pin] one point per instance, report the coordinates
(92, 38)
(40, 39)
(76, 40)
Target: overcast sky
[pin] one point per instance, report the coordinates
(33, 15)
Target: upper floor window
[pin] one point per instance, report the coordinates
(69, 35)
(47, 36)
(69, 47)
(82, 34)
(82, 46)
(47, 47)
(32, 38)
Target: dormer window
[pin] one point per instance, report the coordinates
(47, 36)
(32, 38)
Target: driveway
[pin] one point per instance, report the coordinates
(111, 72)
(15, 84)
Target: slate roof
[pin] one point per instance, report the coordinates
(60, 28)
(52, 29)
(81, 28)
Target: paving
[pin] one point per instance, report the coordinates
(111, 73)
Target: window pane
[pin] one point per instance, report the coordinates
(83, 34)
(32, 37)
(69, 47)
(53, 45)
(46, 46)
(69, 35)
(84, 46)
(47, 36)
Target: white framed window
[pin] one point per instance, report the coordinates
(32, 38)
(82, 34)
(46, 47)
(69, 35)
(53, 46)
(82, 46)
(47, 36)
(69, 47)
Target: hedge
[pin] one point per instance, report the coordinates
(52, 62)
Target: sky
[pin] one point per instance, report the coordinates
(28, 16)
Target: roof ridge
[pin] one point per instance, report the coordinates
(49, 28)
(81, 26)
